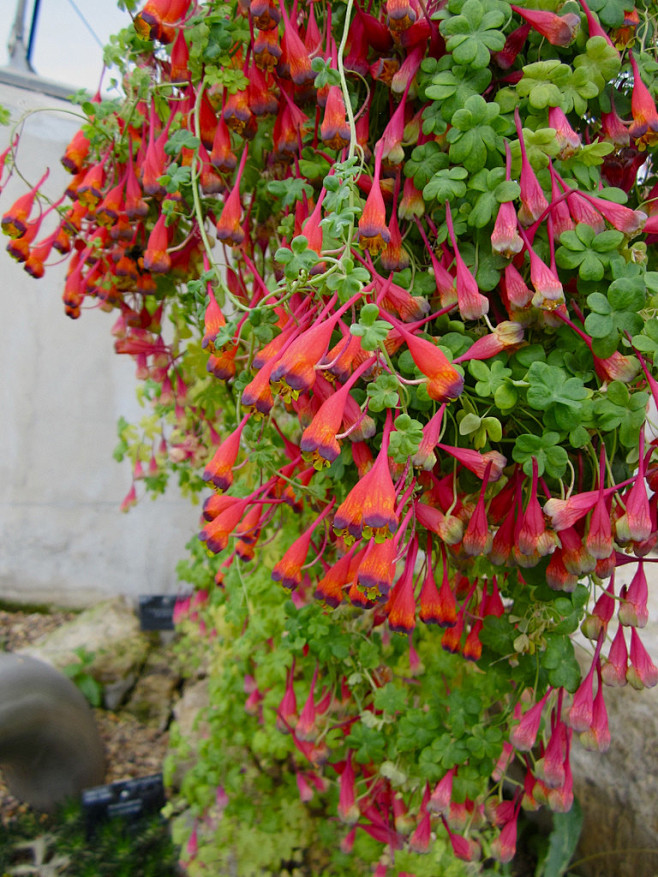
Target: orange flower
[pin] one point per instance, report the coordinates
(76, 153)
(14, 222)
(229, 229)
(369, 508)
(156, 257)
(558, 30)
(373, 230)
(644, 129)
(334, 131)
(219, 470)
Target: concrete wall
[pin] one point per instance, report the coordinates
(62, 388)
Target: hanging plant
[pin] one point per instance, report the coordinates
(387, 276)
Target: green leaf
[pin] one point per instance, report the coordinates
(543, 83)
(390, 698)
(563, 841)
(446, 185)
(289, 190)
(601, 62)
(474, 34)
(384, 392)
(551, 457)
(454, 84)
(425, 161)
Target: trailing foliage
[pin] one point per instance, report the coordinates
(388, 278)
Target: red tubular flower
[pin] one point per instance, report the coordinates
(38, 255)
(567, 138)
(633, 609)
(348, 809)
(264, 14)
(14, 222)
(400, 15)
(505, 335)
(441, 797)
(533, 202)
(472, 650)
(393, 297)
(156, 257)
(558, 30)
(259, 96)
(534, 538)
(437, 606)
(377, 569)
(236, 112)
(229, 229)
(503, 847)
(221, 155)
(19, 248)
(404, 76)
(401, 605)
(525, 733)
(597, 736)
(180, 56)
(306, 729)
(334, 131)
(134, 204)
(477, 538)
(216, 533)
(642, 673)
(286, 715)
(425, 458)
(419, 841)
(330, 587)
(644, 129)
(472, 304)
(443, 380)
(296, 366)
(488, 465)
(516, 290)
(267, 51)
(581, 710)
(513, 45)
(288, 570)
(615, 668)
(550, 768)
(299, 62)
(505, 238)
(601, 614)
(219, 469)
(76, 153)
(549, 293)
(635, 523)
(373, 230)
(394, 257)
(411, 204)
(369, 508)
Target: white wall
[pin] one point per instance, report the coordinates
(62, 388)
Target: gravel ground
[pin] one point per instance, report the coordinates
(132, 749)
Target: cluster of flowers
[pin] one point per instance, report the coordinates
(401, 536)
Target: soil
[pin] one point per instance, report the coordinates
(132, 749)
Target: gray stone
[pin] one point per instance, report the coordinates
(189, 724)
(50, 748)
(151, 700)
(618, 790)
(110, 631)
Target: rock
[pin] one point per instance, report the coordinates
(50, 748)
(110, 632)
(617, 789)
(152, 698)
(190, 725)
